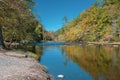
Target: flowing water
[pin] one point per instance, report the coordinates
(76, 62)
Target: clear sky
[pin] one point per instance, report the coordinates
(51, 12)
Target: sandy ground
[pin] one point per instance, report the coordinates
(14, 66)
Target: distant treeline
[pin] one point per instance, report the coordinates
(101, 22)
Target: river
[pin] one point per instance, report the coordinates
(77, 62)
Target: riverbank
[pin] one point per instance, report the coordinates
(94, 43)
(104, 43)
(16, 66)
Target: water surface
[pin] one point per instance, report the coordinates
(75, 62)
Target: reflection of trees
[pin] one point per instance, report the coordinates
(100, 61)
(36, 49)
(64, 54)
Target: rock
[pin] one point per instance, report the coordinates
(115, 45)
(60, 76)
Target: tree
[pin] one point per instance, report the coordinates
(100, 22)
(65, 20)
(1, 40)
(17, 23)
(39, 31)
(1, 36)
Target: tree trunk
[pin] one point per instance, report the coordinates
(1, 39)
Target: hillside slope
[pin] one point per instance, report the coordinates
(101, 22)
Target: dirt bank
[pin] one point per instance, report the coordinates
(14, 66)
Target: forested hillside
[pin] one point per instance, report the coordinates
(101, 22)
(17, 22)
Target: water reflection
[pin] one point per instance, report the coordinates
(35, 49)
(102, 62)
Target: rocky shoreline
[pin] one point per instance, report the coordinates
(15, 66)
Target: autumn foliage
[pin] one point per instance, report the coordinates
(98, 23)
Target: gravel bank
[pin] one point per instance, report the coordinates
(14, 66)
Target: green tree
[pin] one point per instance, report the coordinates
(17, 24)
(1, 39)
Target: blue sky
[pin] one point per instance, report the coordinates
(51, 12)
